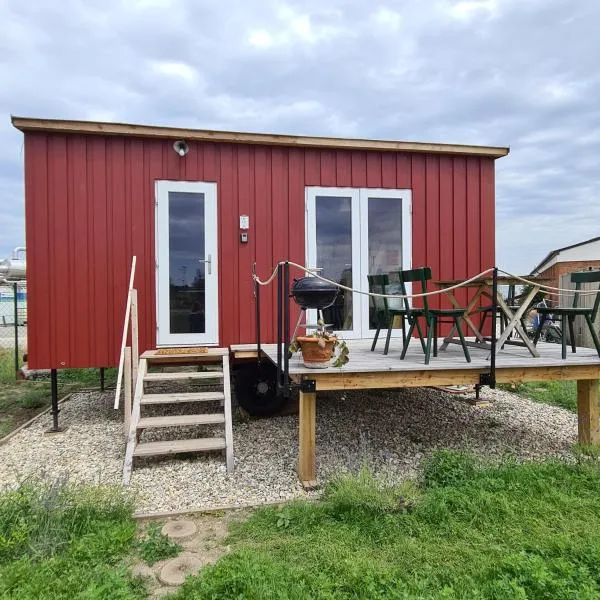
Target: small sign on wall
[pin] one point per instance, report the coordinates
(244, 222)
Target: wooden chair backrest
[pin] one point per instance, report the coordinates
(586, 277)
(378, 285)
(422, 275)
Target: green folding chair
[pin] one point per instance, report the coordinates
(567, 315)
(383, 313)
(431, 316)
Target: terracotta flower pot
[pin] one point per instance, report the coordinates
(314, 355)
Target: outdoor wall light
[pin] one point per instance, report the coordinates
(181, 148)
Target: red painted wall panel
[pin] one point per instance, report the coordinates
(90, 206)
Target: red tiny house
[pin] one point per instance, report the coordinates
(91, 202)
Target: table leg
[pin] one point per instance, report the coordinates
(466, 317)
(514, 321)
(307, 457)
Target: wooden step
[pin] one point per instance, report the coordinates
(179, 446)
(181, 398)
(185, 353)
(181, 420)
(183, 376)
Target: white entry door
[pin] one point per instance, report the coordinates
(352, 233)
(186, 265)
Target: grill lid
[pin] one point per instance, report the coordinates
(312, 292)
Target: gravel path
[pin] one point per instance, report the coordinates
(389, 431)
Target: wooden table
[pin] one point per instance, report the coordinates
(483, 288)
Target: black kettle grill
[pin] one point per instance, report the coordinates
(312, 292)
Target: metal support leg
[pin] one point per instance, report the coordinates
(55, 410)
(16, 317)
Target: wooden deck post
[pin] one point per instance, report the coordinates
(588, 412)
(307, 457)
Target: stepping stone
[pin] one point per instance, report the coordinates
(177, 569)
(179, 530)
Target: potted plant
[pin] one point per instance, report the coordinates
(318, 348)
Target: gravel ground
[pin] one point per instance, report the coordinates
(390, 432)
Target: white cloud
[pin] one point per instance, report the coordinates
(514, 72)
(176, 69)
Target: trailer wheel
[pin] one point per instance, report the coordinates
(256, 389)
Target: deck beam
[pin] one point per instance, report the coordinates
(588, 412)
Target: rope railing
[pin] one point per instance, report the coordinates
(313, 271)
(363, 292)
(570, 291)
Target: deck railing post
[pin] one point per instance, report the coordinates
(279, 325)
(286, 329)
(494, 334)
(257, 309)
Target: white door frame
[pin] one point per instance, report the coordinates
(360, 227)
(311, 194)
(365, 194)
(211, 298)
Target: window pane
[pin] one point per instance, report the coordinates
(384, 243)
(334, 253)
(186, 272)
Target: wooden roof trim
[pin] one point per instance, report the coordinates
(26, 124)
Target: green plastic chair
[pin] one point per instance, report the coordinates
(384, 314)
(568, 315)
(432, 316)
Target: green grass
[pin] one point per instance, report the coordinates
(559, 393)
(514, 531)
(7, 365)
(154, 546)
(62, 541)
(21, 400)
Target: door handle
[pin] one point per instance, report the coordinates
(208, 262)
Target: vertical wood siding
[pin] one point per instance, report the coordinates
(90, 207)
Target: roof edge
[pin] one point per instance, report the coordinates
(554, 253)
(27, 124)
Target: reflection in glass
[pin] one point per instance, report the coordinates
(186, 272)
(334, 253)
(384, 243)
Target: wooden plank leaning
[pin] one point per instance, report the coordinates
(124, 336)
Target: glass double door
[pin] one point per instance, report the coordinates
(186, 263)
(352, 233)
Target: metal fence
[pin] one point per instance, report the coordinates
(13, 328)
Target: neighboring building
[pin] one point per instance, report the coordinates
(198, 208)
(578, 257)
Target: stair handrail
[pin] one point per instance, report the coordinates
(130, 294)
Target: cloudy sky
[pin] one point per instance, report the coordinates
(522, 73)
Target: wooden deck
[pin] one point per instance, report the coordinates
(368, 369)
(372, 370)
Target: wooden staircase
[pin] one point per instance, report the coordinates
(214, 363)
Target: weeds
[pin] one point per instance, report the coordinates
(154, 546)
(63, 541)
(513, 531)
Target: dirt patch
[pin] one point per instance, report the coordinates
(19, 402)
(204, 548)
